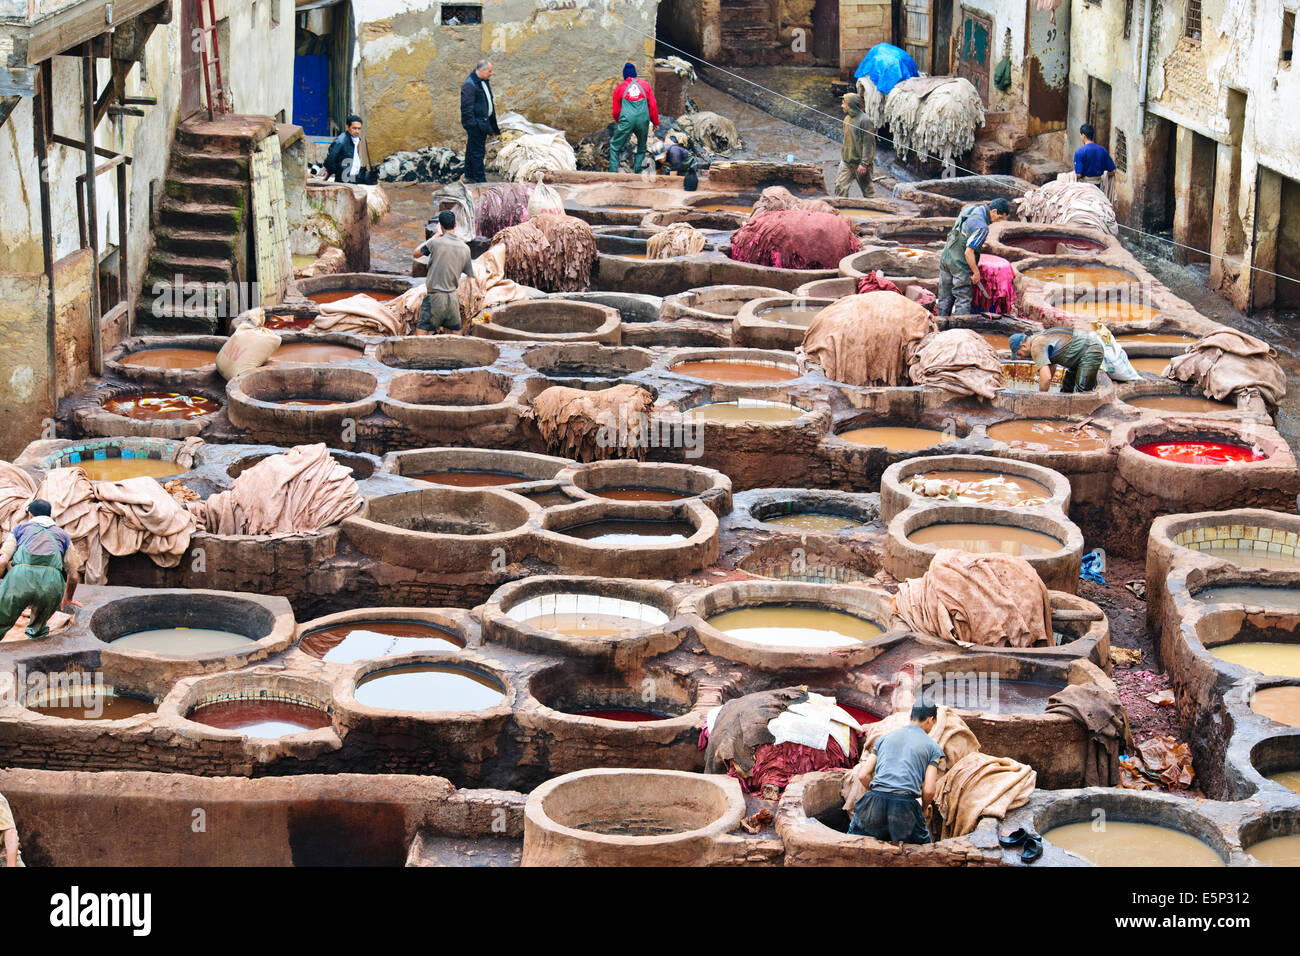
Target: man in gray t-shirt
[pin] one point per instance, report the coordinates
(903, 766)
(449, 259)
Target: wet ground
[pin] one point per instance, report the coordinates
(393, 239)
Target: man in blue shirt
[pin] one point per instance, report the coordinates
(903, 767)
(1091, 161)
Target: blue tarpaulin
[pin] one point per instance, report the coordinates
(886, 65)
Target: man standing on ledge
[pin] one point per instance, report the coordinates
(478, 114)
(857, 158)
(1092, 162)
(635, 111)
(449, 259)
(959, 269)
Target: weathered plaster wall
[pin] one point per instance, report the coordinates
(258, 61)
(24, 368)
(557, 67)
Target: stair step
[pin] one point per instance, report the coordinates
(231, 133)
(164, 266)
(200, 243)
(206, 189)
(201, 164)
(200, 215)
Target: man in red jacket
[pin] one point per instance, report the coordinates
(635, 111)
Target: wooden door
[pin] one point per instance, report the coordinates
(1047, 67)
(974, 51)
(191, 63)
(918, 17)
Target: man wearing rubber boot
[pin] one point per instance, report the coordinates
(1079, 353)
(959, 270)
(635, 111)
(32, 561)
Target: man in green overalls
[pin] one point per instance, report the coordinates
(32, 562)
(959, 270)
(635, 111)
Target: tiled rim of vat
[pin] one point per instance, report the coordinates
(455, 621)
(122, 611)
(786, 361)
(1092, 459)
(1047, 809)
(755, 507)
(1009, 229)
(348, 708)
(420, 416)
(669, 559)
(1169, 388)
(862, 602)
(538, 469)
(654, 639)
(618, 360)
(533, 712)
(45, 456)
(1024, 403)
(1157, 476)
(350, 340)
(262, 416)
(253, 684)
(708, 485)
(693, 303)
(809, 842)
(896, 497)
(169, 377)
(605, 323)
(438, 551)
(457, 352)
(1258, 827)
(889, 260)
(1059, 569)
(96, 421)
(548, 842)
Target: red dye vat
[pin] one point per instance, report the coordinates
(296, 323)
(858, 714)
(628, 715)
(1200, 452)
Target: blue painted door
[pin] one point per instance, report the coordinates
(311, 94)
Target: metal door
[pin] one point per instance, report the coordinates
(973, 51)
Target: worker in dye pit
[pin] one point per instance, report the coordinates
(1092, 163)
(449, 259)
(9, 833)
(636, 113)
(1079, 353)
(343, 161)
(32, 562)
(902, 768)
(959, 270)
(858, 155)
(478, 117)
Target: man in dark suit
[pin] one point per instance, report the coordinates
(478, 114)
(343, 161)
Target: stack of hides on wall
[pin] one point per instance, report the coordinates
(593, 426)
(867, 339)
(1226, 362)
(551, 253)
(502, 206)
(1067, 203)
(794, 239)
(679, 239)
(774, 198)
(934, 116)
(960, 361)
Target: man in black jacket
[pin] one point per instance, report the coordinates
(343, 161)
(478, 114)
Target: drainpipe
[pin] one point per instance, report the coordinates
(1146, 55)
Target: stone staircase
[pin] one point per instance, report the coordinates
(1002, 147)
(201, 233)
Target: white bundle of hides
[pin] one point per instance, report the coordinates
(934, 116)
(459, 195)
(873, 104)
(1065, 203)
(544, 200)
(679, 239)
(717, 133)
(678, 66)
(535, 153)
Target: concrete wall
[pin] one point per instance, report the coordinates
(557, 67)
(258, 61)
(863, 24)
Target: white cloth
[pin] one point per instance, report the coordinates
(356, 158)
(812, 722)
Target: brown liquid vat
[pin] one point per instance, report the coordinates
(253, 397)
(436, 353)
(431, 402)
(735, 366)
(896, 495)
(530, 468)
(551, 320)
(597, 479)
(176, 362)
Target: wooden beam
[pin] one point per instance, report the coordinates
(92, 216)
(40, 144)
(7, 105)
(74, 26)
(99, 150)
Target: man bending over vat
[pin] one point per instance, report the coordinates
(32, 561)
(449, 259)
(903, 767)
(1079, 353)
(959, 269)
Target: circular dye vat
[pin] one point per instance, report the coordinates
(735, 370)
(1287, 778)
(586, 615)
(549, 499)
(312, 353)
(725, 207)
(898, 439)
(744, 410)
(860, 214)
(628, 715)
(919, 238)
(1277, 851)
(1044, 434)
(1053, 245)
(263, 717)
(1111, 311)
(1150, 366)
(1078, 275)
(1167, 338)
(992, 695)
(813, 521)
(361, 640)
(1023, 377)
(1251, 558)
(307, 402)
(630, 531)
(470, 479)
(289, 323)
(119, 469)
(795, 626)
(162, 406)
(986, 539)
(1200, 452)
(1177, 404)
(981, 488)
(322, 298)
(429, 688)
(997, 340)
(1254, 595)
(1132, 844)
(788, 315)
(170, 358)
(638, 494)
(1279, 704)
(91, 703)
(1273, 659)
(180, 641)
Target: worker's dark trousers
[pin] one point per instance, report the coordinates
(956, 293)
(475, 152)
(891, 817)
(1081, 358)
